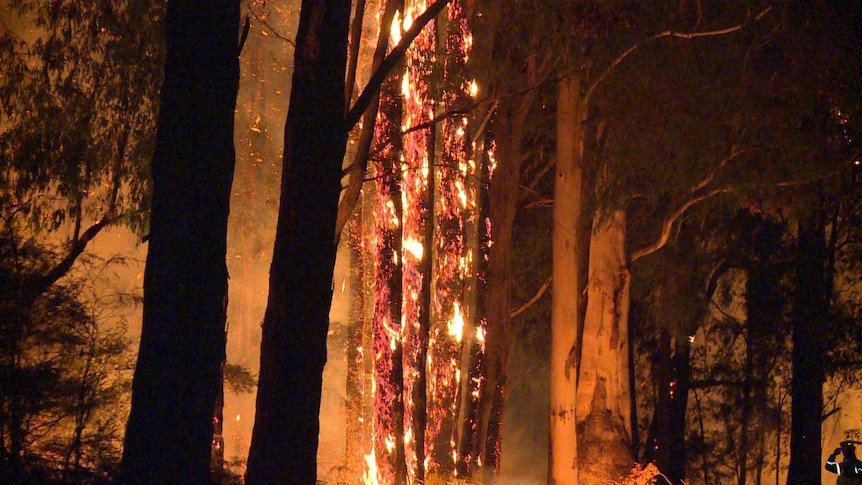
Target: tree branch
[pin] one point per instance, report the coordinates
(262, 20)
(353, 52)
(541, 291)
(670, 220)
(79, 244)
(662, 35)
(391, 60)
(693, 199)
(356, 170)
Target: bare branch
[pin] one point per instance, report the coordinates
(539, 293)
(664, 35)
(670, 220)
(262, 20)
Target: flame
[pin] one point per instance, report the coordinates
(456, 324)
(405, 90)
(395, 29)
(371, 475)
(414, 247)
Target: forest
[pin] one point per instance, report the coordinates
(514, 242)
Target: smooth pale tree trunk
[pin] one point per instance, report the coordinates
(178, 374)
(563, 457)
(810, 310)
(604, 396)
(293, 347)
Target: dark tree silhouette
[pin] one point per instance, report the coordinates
(293, 350)
(177, 378)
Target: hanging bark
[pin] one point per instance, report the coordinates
(563, 457)
(217, 457)
(176, 381)
(603, 397)
(296, 321)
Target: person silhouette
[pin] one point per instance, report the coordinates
(849, 471)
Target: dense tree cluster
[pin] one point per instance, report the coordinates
(662, 235)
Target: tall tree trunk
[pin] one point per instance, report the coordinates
(763, 305)
(503, 203)
(666, 441)
(810, 309)
(293, 347)
(565, 289)
(389, 259)
(354, 390)
(170, 428)
(426, 268)
(603, 398)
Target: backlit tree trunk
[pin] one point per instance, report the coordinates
(604, 397)
(296, 322)
(810, 310)
(563, 459)
(178, 374)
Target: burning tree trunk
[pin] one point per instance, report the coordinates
(177, 377)
(387, 323)
(296, 322)
(567, 258)
(604, 397)
(419, 347)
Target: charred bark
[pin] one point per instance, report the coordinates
(176, 381)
